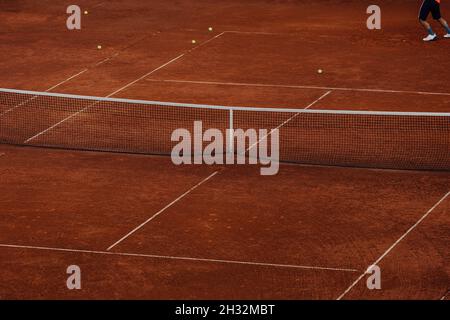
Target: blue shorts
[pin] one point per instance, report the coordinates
(430, 6)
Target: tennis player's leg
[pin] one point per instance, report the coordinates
(444, 23)
(436, 13)
(425, 10)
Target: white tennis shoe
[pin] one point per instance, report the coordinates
(430, 37)
(447, 36)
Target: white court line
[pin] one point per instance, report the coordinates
(445, 295)
(75, 75)
(162, 210)
(207, 41)
(285, 34)
(17, 106)
(243, 84)
(68, 79)
(98, 5)
(394, 245)
(124, 254)
(261, 33)
(161, 67)
(91, 105)
(119, 90)
(60, 122)
(317, 100)
(289, 120)
(146, 75)
(49, 89)
(105, 60)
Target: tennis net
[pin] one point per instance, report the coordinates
(391, 140)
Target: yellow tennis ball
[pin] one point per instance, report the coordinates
(86, 12)
(99, 47)
(320, 71)
(210, 29)
(194, 42)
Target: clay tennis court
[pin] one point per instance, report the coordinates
(140, 227)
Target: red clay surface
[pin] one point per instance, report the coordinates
(87, 201)
(307, 233)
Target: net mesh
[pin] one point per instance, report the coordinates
(391, 140)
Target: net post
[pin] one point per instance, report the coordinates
(230, 133)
